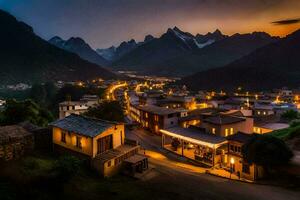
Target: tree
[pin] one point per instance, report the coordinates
(19, 111)
(267, 151)
(107, 110)
(290, 115)
(38, 94)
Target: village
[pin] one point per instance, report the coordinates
(165, 128)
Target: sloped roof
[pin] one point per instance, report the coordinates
(240, 137)
(83, 125)
(195, 134)
(11, 133)
(159, 110)
(223, 119)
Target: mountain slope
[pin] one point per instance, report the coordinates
(114, 53)
(216, 55)
(272, 66)
(25, 57)
(178, 53)
(171, 44)
(80, 47)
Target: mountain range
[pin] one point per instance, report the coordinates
(27, 58)
(179, 53)
(80, 47)
(114, 53)
(272, 66)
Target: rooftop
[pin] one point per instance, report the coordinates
(11, 133)
(159, 110)
(195, 136)
(275, 126)
(72, 103)
(240, 137)
(83, 125)
(224, 119)
(115, 153)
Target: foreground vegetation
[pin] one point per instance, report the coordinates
(45, 177)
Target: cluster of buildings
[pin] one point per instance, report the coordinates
(211, 128)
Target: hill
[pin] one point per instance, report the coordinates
(25, 57)
(272, 66)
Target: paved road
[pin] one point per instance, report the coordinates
(181, 180)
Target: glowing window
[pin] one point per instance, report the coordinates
(213, 130)
(226, 132)
(231, 131)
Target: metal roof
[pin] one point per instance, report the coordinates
(83, 125)
(195, 136)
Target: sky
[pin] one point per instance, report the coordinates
(103, 23)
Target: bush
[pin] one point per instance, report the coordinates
(290, 115)
(67, 166)
(267, 151)
(295, 123)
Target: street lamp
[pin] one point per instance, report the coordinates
(231, 165)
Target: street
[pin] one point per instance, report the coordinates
(182, 180)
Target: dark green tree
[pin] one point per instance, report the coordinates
(267, 151)
(38, 94)
(19, 111)
(290, 115)
(107, 110)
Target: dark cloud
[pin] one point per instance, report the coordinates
(286, 21)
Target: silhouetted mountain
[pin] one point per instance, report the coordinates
(171, 44)
(178, 53)
(148, 38)
(25, 57)
(272, 66)
(114, 53)
(209, 38)
(215, 55)
(80, 47)
(109, 53)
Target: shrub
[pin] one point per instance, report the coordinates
(67, 166)
(267, 151)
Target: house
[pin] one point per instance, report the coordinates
(15, 141)
(183, 102)
(67, 108)
(195, 144)
(263, 109)
(154, 118)
(235, 162)
(263, 128)
(100, 142)
(225, 125)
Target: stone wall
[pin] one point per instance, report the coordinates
(14, 148)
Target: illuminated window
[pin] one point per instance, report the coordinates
(258, 112)
(258, 130)
(265, 113)
(231, 131)
(213, 130)
(78, 142)
(146, 124)
(146, 115)
(63, 137)
(226, 132)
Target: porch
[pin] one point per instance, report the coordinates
(194, 144)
